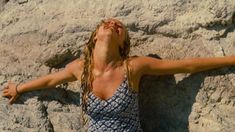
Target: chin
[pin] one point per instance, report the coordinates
(109, 33)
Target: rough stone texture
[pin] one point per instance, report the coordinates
(38, 37)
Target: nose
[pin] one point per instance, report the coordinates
(112, 23)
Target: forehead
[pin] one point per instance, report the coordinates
(114, 20)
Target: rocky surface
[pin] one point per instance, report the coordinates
(38, 37)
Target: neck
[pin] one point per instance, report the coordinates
(105, 57)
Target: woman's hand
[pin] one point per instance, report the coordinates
(10, 92)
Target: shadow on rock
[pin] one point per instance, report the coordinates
(63, 96)
(165, 105)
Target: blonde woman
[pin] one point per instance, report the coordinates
(110, 78)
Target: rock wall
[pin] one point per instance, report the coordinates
(38, 37)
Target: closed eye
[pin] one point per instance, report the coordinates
(120, 26)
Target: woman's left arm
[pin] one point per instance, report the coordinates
(153, 66)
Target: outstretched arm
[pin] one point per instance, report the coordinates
(152, 66)
(68, 74)
(49, 81)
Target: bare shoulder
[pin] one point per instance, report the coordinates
(136, 68)
(76, 67)
(140, 64)
(75, 63)
(141, 60)
(135, 63)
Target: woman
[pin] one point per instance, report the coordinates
(110, 78)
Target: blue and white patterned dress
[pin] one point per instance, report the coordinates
(119, 113)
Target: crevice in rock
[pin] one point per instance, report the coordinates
(170, 35)
(228, 26)
(22, 1)
(60, 60)
(50, 125)
(231, 27)
(53, 37)
(2, 4)
(151, 29)
(62, 95)
(5, 1)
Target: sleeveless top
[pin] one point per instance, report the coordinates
(119, 113)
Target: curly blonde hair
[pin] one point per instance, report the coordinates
(87, 76)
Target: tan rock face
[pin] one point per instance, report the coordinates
(41, 36)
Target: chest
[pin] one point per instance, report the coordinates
(104, 87)
(123, 102)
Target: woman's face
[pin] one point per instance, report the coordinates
(111, 28)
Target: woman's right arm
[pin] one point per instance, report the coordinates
(70, 73)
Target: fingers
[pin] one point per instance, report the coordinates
(5, 91)
(12, 100)
(7, 87)
(5, 94)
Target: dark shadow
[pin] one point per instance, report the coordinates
(61, 60)
(62, 95)
(228, 28)
(165, 105)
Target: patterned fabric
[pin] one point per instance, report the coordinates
(119, 113)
